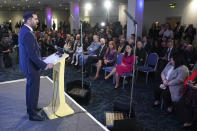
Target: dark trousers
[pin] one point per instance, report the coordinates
(187, 107)
(32, 91)
(158, 93)
(184, 112)
(90, 60)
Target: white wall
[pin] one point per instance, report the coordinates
(159, 10)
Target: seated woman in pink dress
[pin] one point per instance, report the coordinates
(125, 67)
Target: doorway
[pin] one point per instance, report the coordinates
(173, 20)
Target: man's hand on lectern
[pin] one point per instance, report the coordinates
(49, 66)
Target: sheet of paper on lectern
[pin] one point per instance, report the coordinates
(55, 58)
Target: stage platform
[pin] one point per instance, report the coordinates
(13, 115)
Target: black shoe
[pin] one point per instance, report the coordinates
(37, 118)
(37, 109)
(156, 105)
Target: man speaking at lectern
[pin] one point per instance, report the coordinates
(31, 63)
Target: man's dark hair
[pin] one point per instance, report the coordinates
(28, 15)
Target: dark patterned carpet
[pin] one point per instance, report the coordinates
(104, 95)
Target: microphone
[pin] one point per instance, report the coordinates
(60, 51)
(131, 17)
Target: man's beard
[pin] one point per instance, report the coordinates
(34, 26)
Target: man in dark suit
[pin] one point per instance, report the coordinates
(147, 45)
(95, 58)
(163, 61)
(31, 63)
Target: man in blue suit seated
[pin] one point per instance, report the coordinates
(31, 63)
(91, 50)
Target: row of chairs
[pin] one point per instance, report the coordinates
(149, 66)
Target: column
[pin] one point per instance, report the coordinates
(49, 17)
(136, 9)
(74, 16)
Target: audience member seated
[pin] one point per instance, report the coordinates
(48, 46)
(91, 50)
(59, 41)
(98, 56)
(131, 41)
(146, 45)
(190, 56)
(74, 47)
(156, 48)
(42, 46)
(77, 53)
(164, 42)
(167, 53)
(68, 44)
(140, 54)
(125, 67)
(121, 46)
(109, 58)
(86, 43)
(173, 77)
(187, 106)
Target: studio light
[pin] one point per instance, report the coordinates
(193, 5)
(88, 6)
(102, 24)
(107, 4)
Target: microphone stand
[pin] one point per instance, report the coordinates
(134, 53)
(81, 24)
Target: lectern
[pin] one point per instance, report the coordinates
(57, 107)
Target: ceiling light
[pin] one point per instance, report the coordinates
(38, 2)
(5, 1)
(102, 24)
(88, 6)
(107, 4)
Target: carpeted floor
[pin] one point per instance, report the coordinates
(104, 95)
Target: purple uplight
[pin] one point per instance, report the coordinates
(141, 4)
(76, 15)
(76, 9)
(49, 17)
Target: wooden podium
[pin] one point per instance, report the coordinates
(57, 107)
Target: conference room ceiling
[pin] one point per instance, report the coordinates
(33, 4)
(42, 4)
